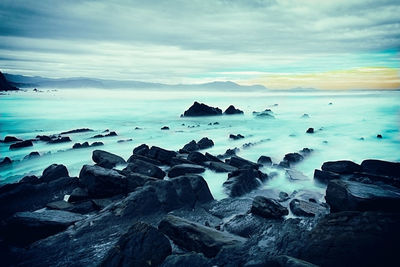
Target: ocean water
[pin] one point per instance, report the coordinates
(344, 129)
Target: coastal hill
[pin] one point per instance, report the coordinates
(5, 85)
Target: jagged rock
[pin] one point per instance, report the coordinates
(268, 208)
(293, 157)
(106, 159)
(142, 245)
(348, 195)
(221, 167)
(81, 130)
(241, 163)
(228, 153)
(200, 109)
(58, 140)
(97, 144)
(142, 150)
(197, 157)
(161, 154)
(264, 160)
(190, 147)
(325, 176)
(53, 172)
(243, 181)
(6, 85)
(380, 167)
(236, 137)
(231, 110)
(306, 208)
(101, 182)
(182, 169)
(205, 143)
(196, 237)
(21, 144)
(212, 157)
(341, 166)
(5, 161)
(11, 139)
(191, 189)
(82, 207)
(79, 145)
(244, 225)
(145, 168)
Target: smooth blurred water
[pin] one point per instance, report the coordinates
(339, 127)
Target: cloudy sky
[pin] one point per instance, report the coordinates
(340, 44)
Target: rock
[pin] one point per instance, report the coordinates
(125, 140)
(241, 163)
(283, 196)
(293, 158)
(191, 146)
(212, 157)
(135, 157)
(196, 237)
(179, 160)
(200, 109)
(165, 128)
(348, 196)
(30, 179)
(82, 207)
(78, 194)
(21, 144)
(161, 154)
(243, 181)
(268, 208)
(380, 167)
(228, 207)
(58, 140)
(79, 145)
(106, 159)
(236, 137)
(53, 172)
(231, 110)
(197, 157)
(145, 168)
(221, 167)
(264, 114)
(44, 138)
(286, 261)
(294, 175)
(192, 189)
(244, 225)
(81, 130)
(264, 160)
(305, 115)
(11, 139)
(354, 239)
(306, 151)
(306, 208)
(205, 143)
(101, 182)
(341, 166)
(142, 245)
(97, 144)
(182, 169)
(310, 130)
(379, 136)
(142, 150)
(24, 228)
(325, 176)
(32, 155)
(105, 135)
(190, 259)
(228, 153)
(5, 161)
(6, 85)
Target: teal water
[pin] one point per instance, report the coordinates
(339, 127)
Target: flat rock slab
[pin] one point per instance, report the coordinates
(221, 167)
(306, 208)
(268, 208)
(195, 237)
(348, 195)
(182, 169)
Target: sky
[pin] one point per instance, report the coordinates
(281, 44)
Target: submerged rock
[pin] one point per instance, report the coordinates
(231, 110)
(106, 159)
(200, 109)
(58, 140)
(268, 208)
(21, 144)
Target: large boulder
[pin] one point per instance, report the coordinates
(325, 176)
(195, 237)
(341, 166)
(200, 109)
(197, 157)
(241, 163)
(182, 169)
(349, 195)
(243, 181)
(145, 168)
(106, 159)
(192, 189)
(190, 147)
(205, 143)
(143, 149)
(142, 245)
(21, 144)
(268, 208)
(160, 154)
(53, 172)
(380, 167)
(264, 160)
(231, 110)
(102, 182)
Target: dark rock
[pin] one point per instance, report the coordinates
(192, 189)
(243, 181)
(236, 137)
(264, 160)
(197, 157)
(165, 128)
(283, 196)
(179, 161)
(32, 155)
(221, 167)
(264, 114)
(112, 134)
(30, 179)
(190, 259)
(105, 135)
(380, 167)
(142, 245)
(21, 144)
(231, 110)
(228, 207)
(341, 166)
(306, 208)
(268, 208)
(135, 180)
(348, 195)
(53, 172)
(310, 130)
(200, 109)
(125, 140)
(24, 228)
(293, 158)
(196, 237)
(82, 207)
(11, 139)
(78, 194)
(212, 157)
(6, 85)
(191, 146)
(379, 136)
(145, 168)
(101, 182)
(205, 143)
(228, 153)
(97, 144)
(325, 176)
(306, 151)
(161, 154)
(142, 150)
(244, 225)
(305, 115)
(5, 161)
(106, 159)
(44, 138)
(81, 130)
(63, 139)
(286, 261)
(241, 163)
(79, 145)
(135, 157)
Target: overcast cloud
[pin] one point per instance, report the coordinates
(195, 41)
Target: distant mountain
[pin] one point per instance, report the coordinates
(5, 85)
(81, 82)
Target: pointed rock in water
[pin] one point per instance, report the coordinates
(21, 144)
(32, 155)
(54, 172)
(236, 137)
(142, 245)
(11, 139)
(341, 166)
(197, 157)
(195, 237)
(212, 157)
(241, 163)
(231, 110)
(205, 142)
(81, 130)
(106, 159)
(228, 153)
(160, 154)
(264, 160)
(200, 109)
(379, 136)
(83, 145)
(268, 208)
(5, 161)
(182, 169)
(145, 168)
(190, 147)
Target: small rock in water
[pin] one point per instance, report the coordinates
(305, 115)
(5, 161)
(236, 137)
(96, 144)
(200, 109)
(165, 128)
(310, 130)
(21, 144)
(11, 139)
(205, 143)
(231, 110)
(125, 140)
(32, 155)
(63, 139)
(264, 160)
(379, 136)
(82, 130)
